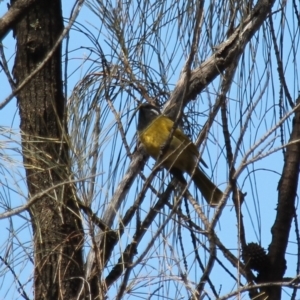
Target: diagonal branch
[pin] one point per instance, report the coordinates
(225, 54)
(14, 14)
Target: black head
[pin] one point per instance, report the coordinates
(147, 113)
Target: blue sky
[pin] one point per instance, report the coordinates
(260, 209)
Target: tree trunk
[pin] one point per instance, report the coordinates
(56, 222)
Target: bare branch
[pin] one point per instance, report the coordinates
(14, 14)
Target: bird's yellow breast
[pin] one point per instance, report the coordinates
(154, 137)
(180, 152)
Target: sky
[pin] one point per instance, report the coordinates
(265, 182)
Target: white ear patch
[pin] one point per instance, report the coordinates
(154, 111)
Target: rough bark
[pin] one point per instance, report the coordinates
(287, 192)
(14, 14)
(56, 222)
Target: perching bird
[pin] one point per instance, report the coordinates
(181, 154)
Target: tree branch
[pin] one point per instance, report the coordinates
(225, 54)
(287, 191)
(14, 14)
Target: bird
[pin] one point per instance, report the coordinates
(181, 154)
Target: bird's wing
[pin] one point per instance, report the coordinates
(180, 138)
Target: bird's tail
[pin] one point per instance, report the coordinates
(211, 193)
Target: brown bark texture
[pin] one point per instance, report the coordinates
(56, 222)
(287, 192)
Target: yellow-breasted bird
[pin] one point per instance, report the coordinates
(181, 154)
